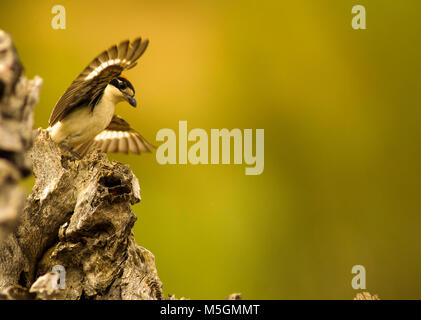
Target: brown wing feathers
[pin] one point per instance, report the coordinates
(117, 137)
(88, 86)
(138, 49)
(120, 137)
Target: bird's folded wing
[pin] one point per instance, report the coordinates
(117, 137)
(88, 87)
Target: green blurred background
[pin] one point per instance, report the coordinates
(340, 109)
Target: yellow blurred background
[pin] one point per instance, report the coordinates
(340, 110)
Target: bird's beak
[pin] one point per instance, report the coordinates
(132, 101)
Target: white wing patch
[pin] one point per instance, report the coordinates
(106, 64)
(108, 134)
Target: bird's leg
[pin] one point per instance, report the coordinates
(71, 151)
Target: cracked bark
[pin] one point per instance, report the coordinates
(78, 215)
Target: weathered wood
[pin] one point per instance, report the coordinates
(18, 97)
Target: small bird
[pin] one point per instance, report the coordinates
(84, 117)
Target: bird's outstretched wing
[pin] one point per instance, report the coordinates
(88, 87)
(117, 137)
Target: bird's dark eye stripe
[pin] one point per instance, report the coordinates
(121, 83)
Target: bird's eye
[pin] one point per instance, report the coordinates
(122, 85)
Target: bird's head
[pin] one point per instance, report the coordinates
(125, 90)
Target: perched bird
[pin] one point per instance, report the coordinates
(84, 118)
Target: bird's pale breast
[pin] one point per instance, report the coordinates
(83, 124)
